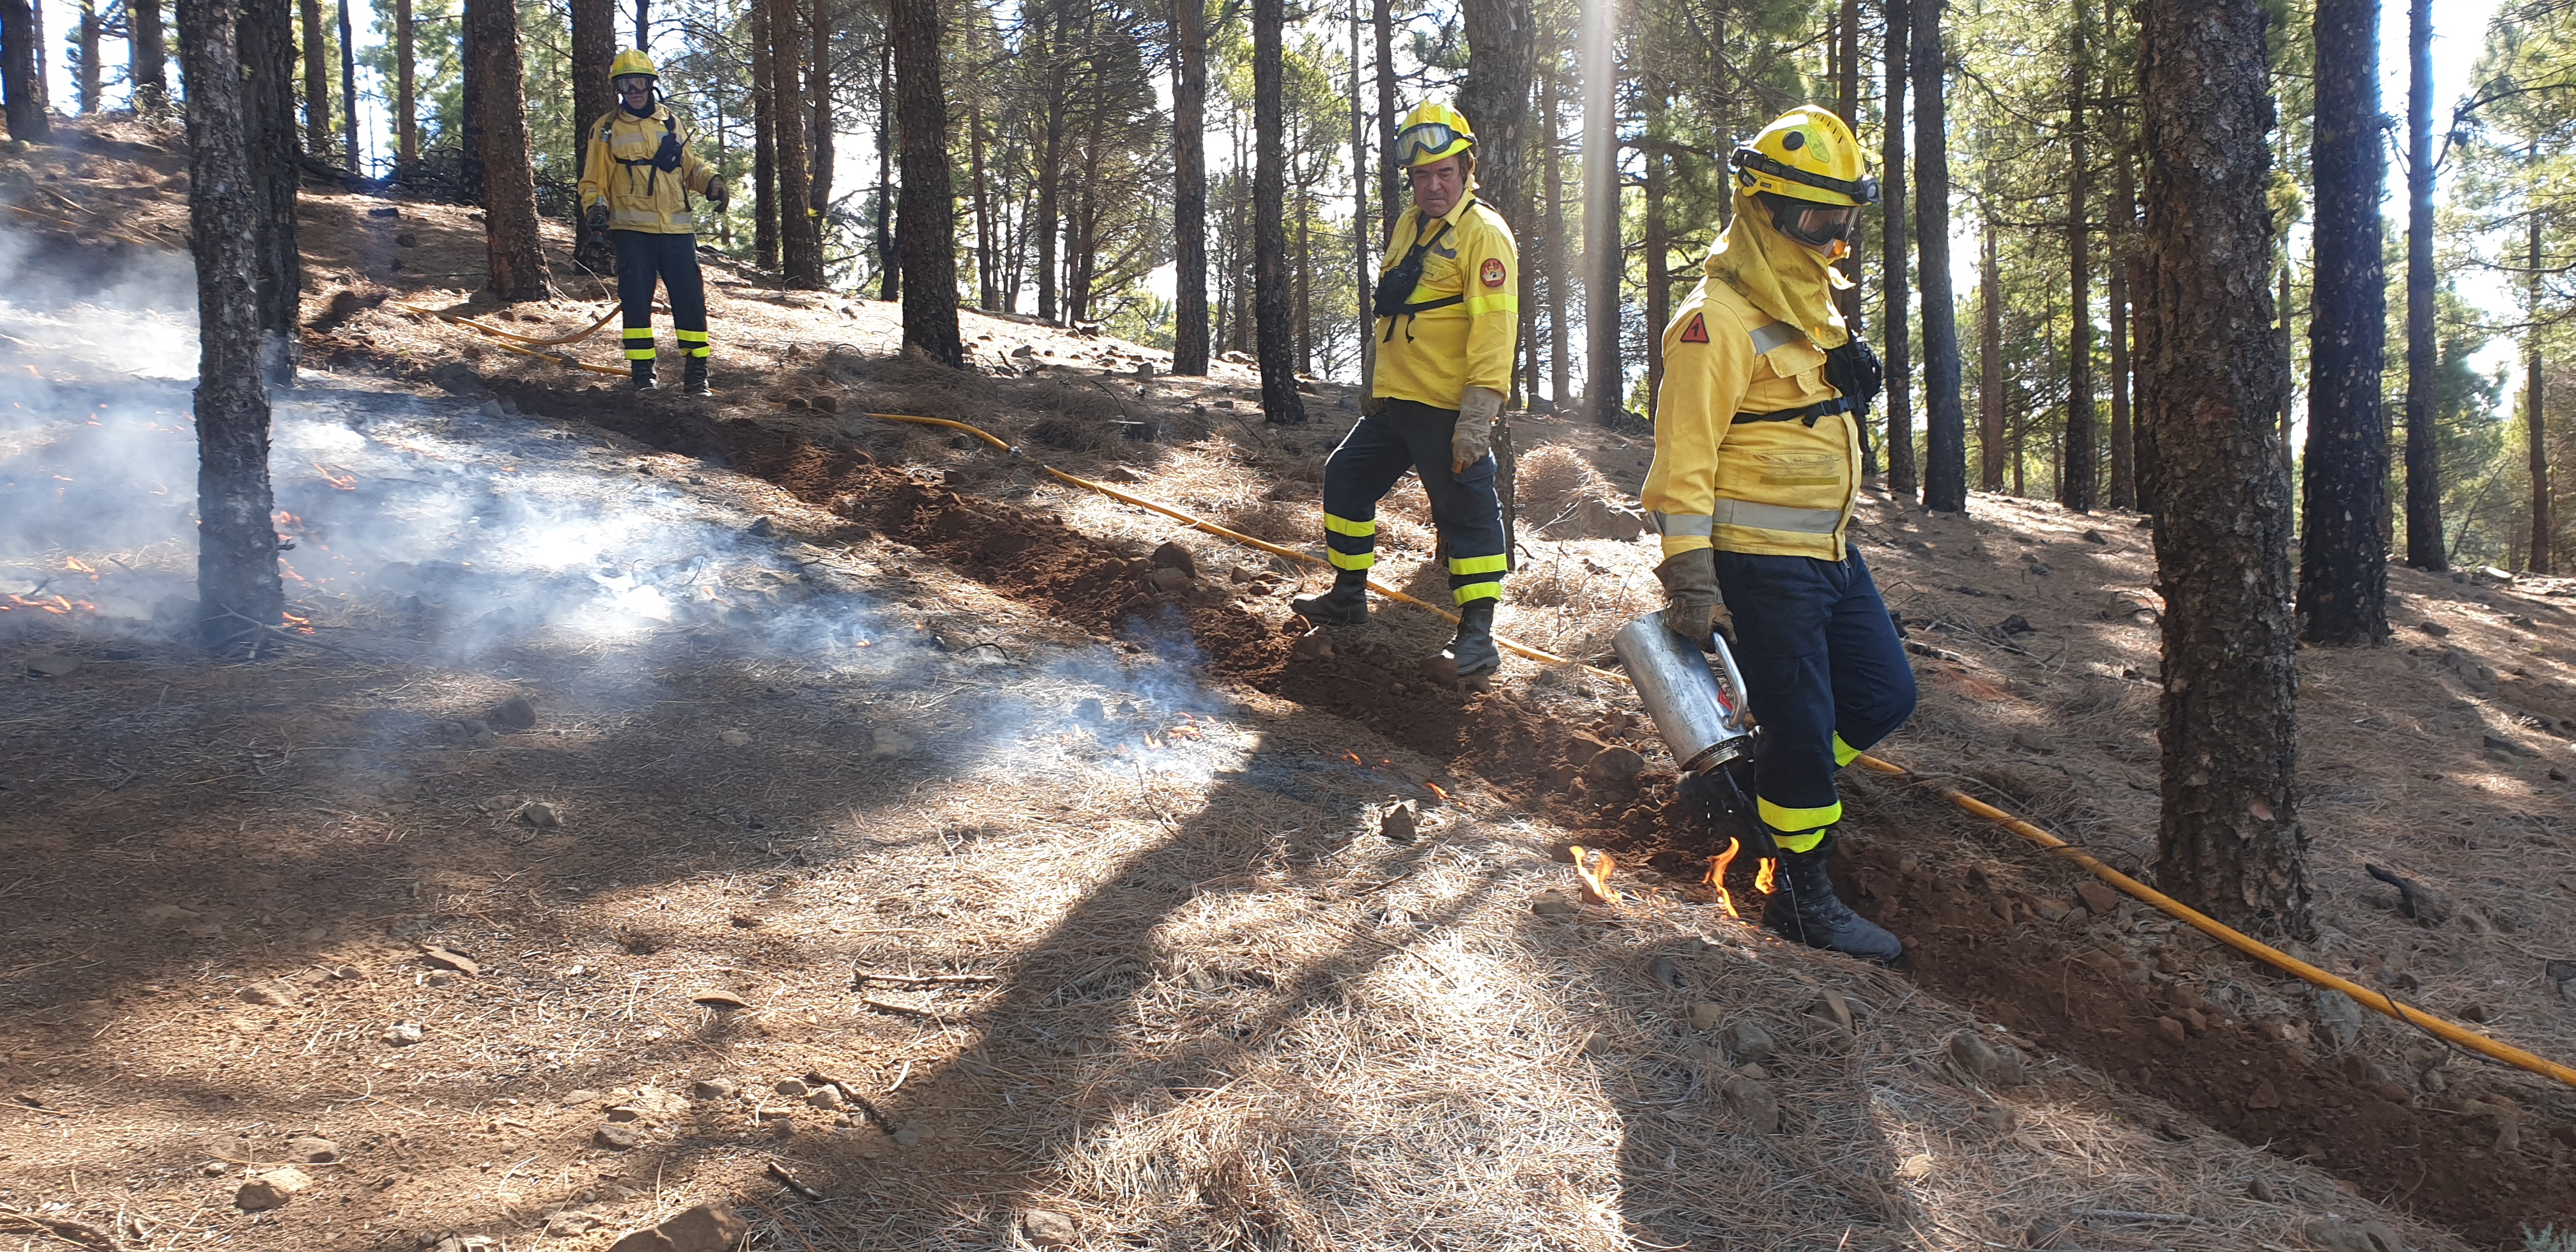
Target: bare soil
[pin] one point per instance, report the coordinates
(919, 712)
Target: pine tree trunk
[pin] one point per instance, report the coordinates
(1189, 186)
(1945, 416)
(2423, 402)
(2343, 536)
(988, 291)
(594, 49)
(1279, 399)
(1050, 167)
(1502, 44)
(147, 56)
(44, 64)
(239, 594)
(889, 262)
(643, 24)
(1847, 64)
(2289, 363)
(1304, 281)
(1603, 258)
(799, 237)
(265, 40)
(85, 41)
(1990, 368)
(317, 82)
(929, 210)
(2122, 254)
(764, 140)
(469, 153)
(349, 95)
(1560, 351)
(1658, 243)
(1899, 356)
(1390, 180)
(818, 91)
(2076, 487)
(27, 120)
(2535, 414)
(517, 268)
(1360, 217)
(406, 100)
(2229, 840)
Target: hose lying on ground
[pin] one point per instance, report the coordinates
(2377, 1001)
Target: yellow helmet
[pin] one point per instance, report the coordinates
(633, 61)
(1431, 132)
(1808, 154)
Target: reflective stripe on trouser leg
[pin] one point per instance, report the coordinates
(693, 342)
(1782, 605)
(1356, 476)
(639, 343)
(638, 273)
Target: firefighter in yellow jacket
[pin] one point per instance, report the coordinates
(635, 185)
(1448, 314)
(1757, 463)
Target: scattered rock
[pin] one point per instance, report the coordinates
(1614, 766)
(2095, 536)
(313, 1149)
(515, 713)
(826, 1098)
(1834, 1009)
(444, 959)
(1581, 748)
(2341, 1017)
(2003, 1119)
(1665, 971)
(793, 1089)
(1171, 555)
(1047, 1228)
(1314, 645)
(52, 665)
(1598, 1044)
(1748, 1041)
(2172, 1030)
(566, 1225)
(720, 1000)
(272, 1189)
(1398, 824)
(1553, 904)
(1168, 579)
(734, 738)
(1752, 1103)
(2265, 1096)
(616, 1137)
(403, 1034)
(2435, 629)
(2475, 1012)
(1915, 1168)
(1984, 1061)
(1706, 1016)
(541, 815)
(2047, 910)
(706, 1228)
(714, 1089)
(2097, 896)
(908, 1137)
(761, 527)
(275, 992)
(2498, 745)
(2014, 625)
(2337, 1235)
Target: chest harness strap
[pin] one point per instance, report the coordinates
(1397, 283)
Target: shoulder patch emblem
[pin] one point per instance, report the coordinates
(1696, 332)
(1492, 271)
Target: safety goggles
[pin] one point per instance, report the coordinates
(1426, 139)
(1748, 160)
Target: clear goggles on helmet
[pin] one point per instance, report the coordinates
(1424, 140)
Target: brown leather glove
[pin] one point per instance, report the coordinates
(1691, 599)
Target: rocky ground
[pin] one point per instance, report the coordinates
(759, 804)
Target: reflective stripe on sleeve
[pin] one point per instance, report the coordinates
(1775, 335)
(1775, 517)
(1508, 302)
(1671, 524)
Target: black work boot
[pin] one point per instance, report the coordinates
(1345, 605)
(1473, 651)
(642, 371)
(693, 377)
(1803, 908)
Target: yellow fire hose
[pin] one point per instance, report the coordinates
(2377, 1001)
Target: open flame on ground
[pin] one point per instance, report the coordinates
(1764, 875)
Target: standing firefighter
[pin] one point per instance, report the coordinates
(1757, 463)
(1448, 309)
(635, 185)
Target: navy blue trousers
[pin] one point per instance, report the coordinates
(1406, 435)
(1825, 674)
(644, 257)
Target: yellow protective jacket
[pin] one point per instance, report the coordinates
(619, 169)
(1776, 488)
(1433, 356)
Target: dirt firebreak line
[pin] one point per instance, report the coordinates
(2378, 1001)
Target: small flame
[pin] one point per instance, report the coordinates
(1717, 876)
(1595, 878)
(1354, 758)
(1436, 790)
(341, 479)
(73, 562)
(1182, 732)
(300, 625)
(1766, 875)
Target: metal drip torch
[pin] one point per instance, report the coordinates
(1696, 699)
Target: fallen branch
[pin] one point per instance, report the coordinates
(863, 977)
(789, 1181)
